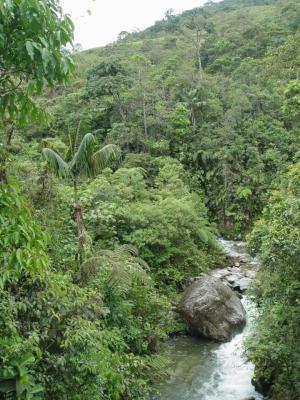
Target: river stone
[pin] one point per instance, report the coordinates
(242, 284)
(211, 309)
(234, 278)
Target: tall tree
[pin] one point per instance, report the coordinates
(84, 162)
(142, 64)
(108, 78)
(199, 26)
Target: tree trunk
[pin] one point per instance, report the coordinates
(225, 177)
(199, 53)
(3, 156)
(145, 116)
(3, 177)
(77, 216)
(10, 133)
(194, 121)
(122, 113)
(144, 103)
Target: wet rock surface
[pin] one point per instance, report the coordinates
(211, 370)
(237, 275)
(211, 309)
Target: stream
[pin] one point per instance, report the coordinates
(206, 370)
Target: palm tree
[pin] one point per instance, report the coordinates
(191, 99)
(83, 162)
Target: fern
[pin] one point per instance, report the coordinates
(125, 269)
(159, 366)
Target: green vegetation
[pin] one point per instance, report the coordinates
(84, 162)
(114, 186)
(275, 346)
(206, 87)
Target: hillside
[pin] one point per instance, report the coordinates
(118, 175)
(222, 119)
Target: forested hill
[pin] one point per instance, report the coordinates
(115, 182)
(209, 87)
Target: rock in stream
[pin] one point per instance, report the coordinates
(208, 369)
(211, 309)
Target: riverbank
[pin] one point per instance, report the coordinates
(206, 370)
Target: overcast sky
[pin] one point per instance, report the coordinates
(109, 17)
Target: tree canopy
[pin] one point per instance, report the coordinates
(94, 253)
(32, 33)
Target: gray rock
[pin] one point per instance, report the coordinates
(242, 284)
(236, 270)
(211, 309)
(231, 278)
(250, 274)
(234, 278)
(219, 273)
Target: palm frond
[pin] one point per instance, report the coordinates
(103, 157)
(71, 150)
(77, 137)
(56, 163)
(129, 251)
(81, 163)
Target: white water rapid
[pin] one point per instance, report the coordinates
(204, 370)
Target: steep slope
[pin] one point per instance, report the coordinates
(206, 87)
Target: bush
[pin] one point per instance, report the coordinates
(275, 347)
(166, 223)
(95, 339)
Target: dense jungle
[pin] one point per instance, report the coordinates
(120, 169)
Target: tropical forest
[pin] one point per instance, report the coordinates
(150, 206)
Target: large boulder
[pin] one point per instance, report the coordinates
(211, 309)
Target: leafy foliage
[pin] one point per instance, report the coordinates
(274, 348)
(225, 122)
(205, 108)
(31, 35)
(167, 224)
(85, 160)
(23, 261)
(96, 337)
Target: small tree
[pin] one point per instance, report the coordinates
(108, 78)
(84, 163)
(181, 128)
(32, 35)
(291, 106)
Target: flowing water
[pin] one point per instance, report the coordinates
(205, 370)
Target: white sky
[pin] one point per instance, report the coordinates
(109, 17)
